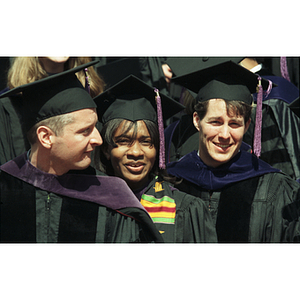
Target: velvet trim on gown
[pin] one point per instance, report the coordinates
(111, 192)
(243, 166)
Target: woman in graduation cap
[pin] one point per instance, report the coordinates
(24, 70)
(248, 199)
(133, 149)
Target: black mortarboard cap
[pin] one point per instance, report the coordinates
(185, 65)
(52, 96)
(228, 81)
(133, 99)
(119, 69)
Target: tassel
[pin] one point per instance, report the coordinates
(162, 164)
(258, 120)
(87, 81)
(268, 91)
(284, 68)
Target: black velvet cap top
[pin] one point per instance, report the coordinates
(132, 99)
(228, 81)
(185, 65)
(52, 96)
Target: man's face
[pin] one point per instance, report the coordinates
(72, 150)
(220, 135)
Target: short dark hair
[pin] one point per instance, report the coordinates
(238, 107)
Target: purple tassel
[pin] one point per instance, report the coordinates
(162, 164)
(268, 91)
(284, 68)
(87, 81)
(258, 120)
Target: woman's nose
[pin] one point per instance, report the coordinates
(135, 149)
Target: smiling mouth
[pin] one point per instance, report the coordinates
(135, 168)
(223, 146)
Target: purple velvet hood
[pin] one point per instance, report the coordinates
(111, 192)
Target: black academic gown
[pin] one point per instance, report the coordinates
(72, 208)
(249, 201)
(179, 217)
(280, 146)
(280, 132)
(280, 127)
(13, 141)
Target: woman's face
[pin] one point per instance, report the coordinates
(132, 159)
(53, 64)
(58, 59)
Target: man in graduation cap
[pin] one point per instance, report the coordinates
(249, 200)
(48, 194)
(132, 113)
(181, 135)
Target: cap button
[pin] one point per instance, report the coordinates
(205, 59)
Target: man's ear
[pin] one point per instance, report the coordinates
(247, 125)
(45, 136)
(196, 121)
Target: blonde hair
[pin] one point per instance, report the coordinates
(29, 69)
(56, 124)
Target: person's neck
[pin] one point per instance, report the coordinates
(214, 165)
(137, 186)
(40, 159)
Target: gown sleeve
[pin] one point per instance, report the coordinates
(280, 196)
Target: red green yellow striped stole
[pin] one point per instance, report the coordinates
(161, 210)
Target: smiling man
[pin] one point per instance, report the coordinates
(249, 200)
(50, 194)
(221, 132)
